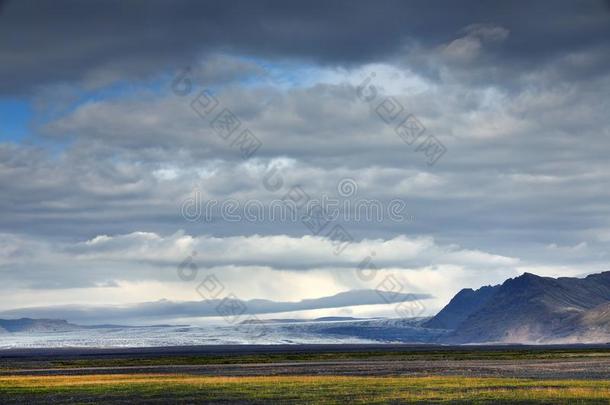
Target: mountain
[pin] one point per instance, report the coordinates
(36, 325)
(302, 320)
(466, 302)
(531, 309)
(145, 312)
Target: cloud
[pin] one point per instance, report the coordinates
(467, 48)
(91, 198)
(145, 266)
(100, 43)
(134, 160)
(163, 309)
(281, 252)
(141, 266)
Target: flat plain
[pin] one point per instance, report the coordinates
(308, 374)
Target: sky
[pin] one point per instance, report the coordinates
(142, 138)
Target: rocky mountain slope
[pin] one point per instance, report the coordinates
(466, 302)
(531, 309)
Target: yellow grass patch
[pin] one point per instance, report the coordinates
(325, 389)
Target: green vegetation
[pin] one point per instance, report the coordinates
(143, 386)
(134, 360)
(298, 389)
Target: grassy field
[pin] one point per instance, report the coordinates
(435, 375)
(297, 389)
(125, 361)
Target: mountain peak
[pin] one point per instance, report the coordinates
(528, 275)
(531, 308)
(525, 280)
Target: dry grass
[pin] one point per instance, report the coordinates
(302, 389)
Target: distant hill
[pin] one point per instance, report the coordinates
(29, 325)
(163, 309)
(301, 320)
(531, 309)
(36, 325)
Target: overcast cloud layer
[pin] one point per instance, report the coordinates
(93, 195)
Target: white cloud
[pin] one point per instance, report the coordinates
(142, 266)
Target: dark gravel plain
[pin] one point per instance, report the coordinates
(544, 362)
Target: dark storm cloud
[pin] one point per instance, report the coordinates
(101, 41)
(517, 91)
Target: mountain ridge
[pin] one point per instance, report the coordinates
(532, 309)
